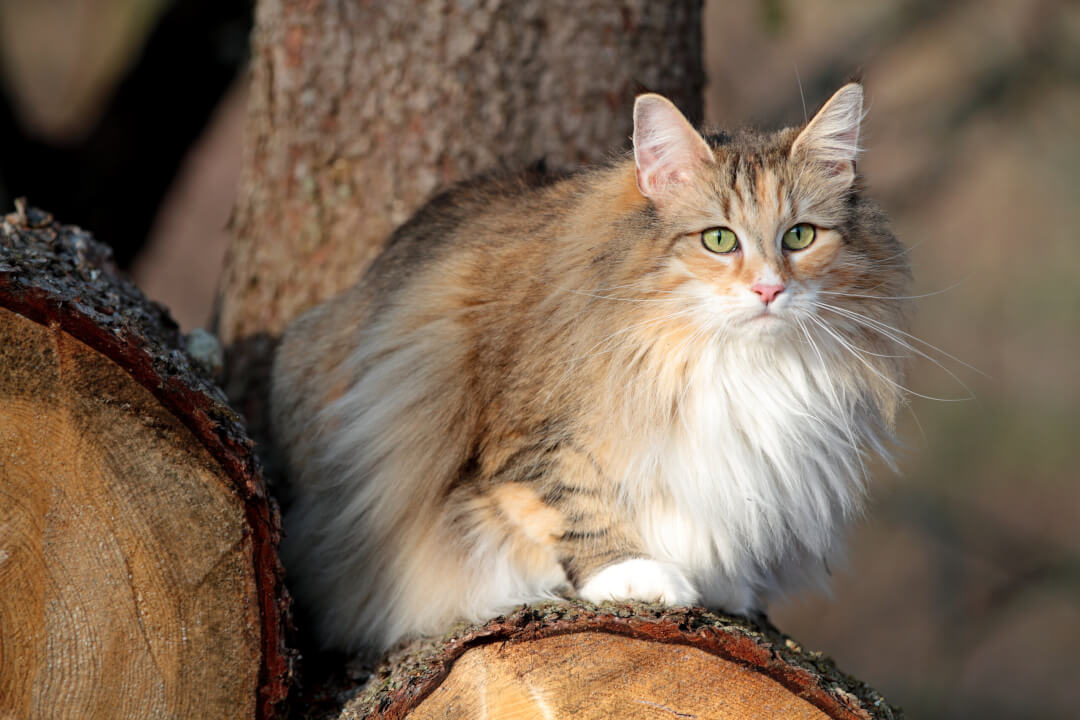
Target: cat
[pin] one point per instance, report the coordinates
(659, 379)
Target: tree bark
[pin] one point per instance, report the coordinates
(629, 660)
(138, 559)
(360, 111)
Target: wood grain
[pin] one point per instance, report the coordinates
(572, 659)
(138, 566)
(127, 569)
(594, 676)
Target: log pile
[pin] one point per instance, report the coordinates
(138, 559)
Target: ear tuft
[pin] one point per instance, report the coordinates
(832, 137)
(666, 147)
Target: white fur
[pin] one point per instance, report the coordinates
(748, 489)
(641, 579)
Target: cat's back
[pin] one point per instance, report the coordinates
(482, 243)
(466, 233)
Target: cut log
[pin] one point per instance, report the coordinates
(627, 661)
(138, 561)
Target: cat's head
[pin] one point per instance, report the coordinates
(769, 231)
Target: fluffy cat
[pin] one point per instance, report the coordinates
(655, 379)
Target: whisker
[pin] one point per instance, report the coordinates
(893, 297)
(857, 354)
(918, 424)
(904, 250)
(802, 97)
(884, 355)
(884, 328)
(830, 388)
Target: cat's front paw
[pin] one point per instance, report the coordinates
(640, 579)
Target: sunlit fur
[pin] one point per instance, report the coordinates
(540, 379)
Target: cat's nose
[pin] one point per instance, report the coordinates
(767, 293)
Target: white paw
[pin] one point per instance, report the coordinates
(640, 579)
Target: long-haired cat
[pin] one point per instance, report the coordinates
(656, 379)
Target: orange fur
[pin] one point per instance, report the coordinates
(528, 513)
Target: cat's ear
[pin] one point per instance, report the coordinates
(832, 137)
(667, 148)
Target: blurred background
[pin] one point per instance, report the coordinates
(961, 595)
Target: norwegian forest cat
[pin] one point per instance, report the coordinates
(658, 379)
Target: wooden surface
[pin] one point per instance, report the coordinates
(593, 676)
(138, 567)
(127, 573)
(625, 660)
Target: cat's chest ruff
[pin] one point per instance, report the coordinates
(759, 463)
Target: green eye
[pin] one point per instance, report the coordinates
(799, 237)
(719, 240)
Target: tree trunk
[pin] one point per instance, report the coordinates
(618, 661)
(138, 560)
(360, 111)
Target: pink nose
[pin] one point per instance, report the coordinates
(768, 293)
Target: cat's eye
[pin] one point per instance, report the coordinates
(719, 240)
(799, 237)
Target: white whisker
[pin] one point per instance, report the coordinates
(893, 297)
(888, 330)
(918, 424)
(857, 353)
